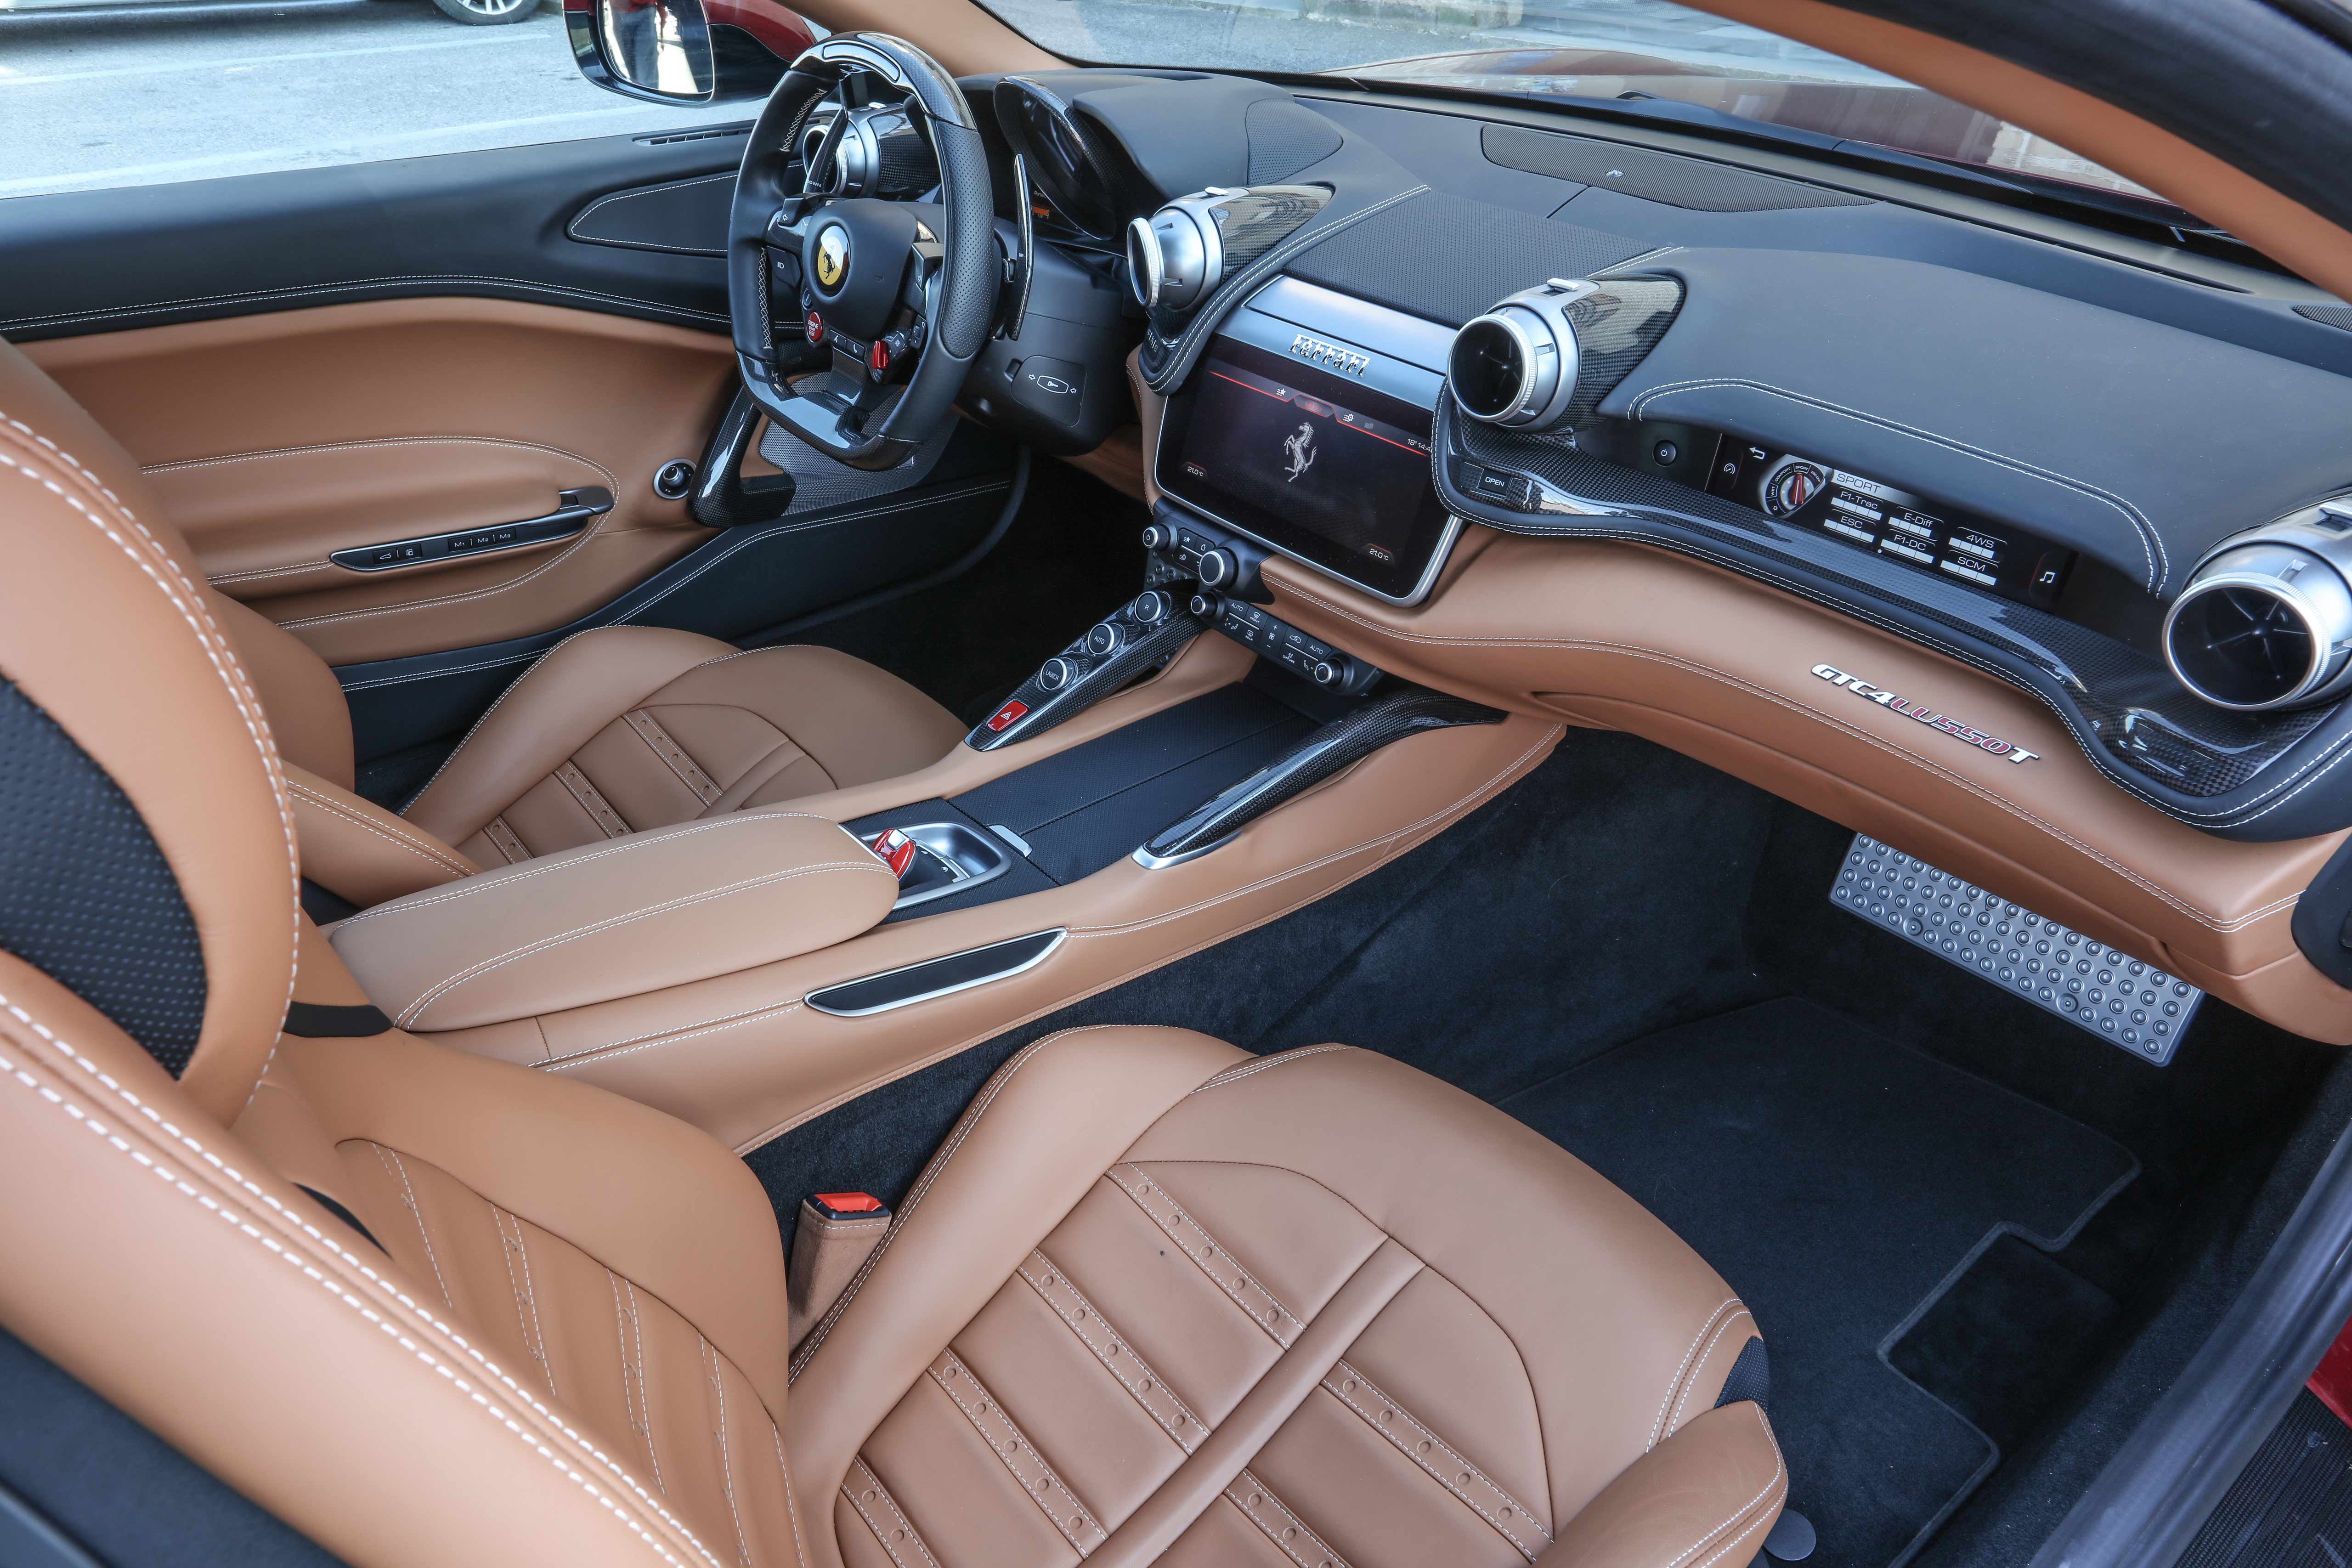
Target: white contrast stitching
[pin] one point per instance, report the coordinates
(390, 1160)
(1658, 1423)
(416, 1009)
(476, 885)
(1690, 1385)
(414, 847)
(906, 1525)
(1233, 1073)
(335, 1249)
(1351, 1376)
(588, 1055)
(571, 229)
(1267, 1321)
(970, 1120)
(726, 1462)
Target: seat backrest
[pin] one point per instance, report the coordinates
(529, 1322)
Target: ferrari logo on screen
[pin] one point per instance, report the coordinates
(832, 256)
(1301, 448)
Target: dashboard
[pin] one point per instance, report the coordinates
(2088, 492)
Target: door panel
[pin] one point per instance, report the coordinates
(277, 438)
(488, 224)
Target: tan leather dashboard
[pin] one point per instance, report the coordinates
(1722, 668)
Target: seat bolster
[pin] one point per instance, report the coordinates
(309, 716)
(1036, 1138)
(357, 850)
(552, 711)
(858, 722)
(224, 1310)
(1705, 1498)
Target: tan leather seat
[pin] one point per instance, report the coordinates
(614, 731)
(636, 726)
(1153, 1300)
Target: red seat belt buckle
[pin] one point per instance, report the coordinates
(897, 851)
(1006, 715)
(849, 1206)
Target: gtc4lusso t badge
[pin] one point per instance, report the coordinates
(1927, 716)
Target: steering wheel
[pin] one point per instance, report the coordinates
(856, 318)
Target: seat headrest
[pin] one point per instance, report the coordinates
(146, 845)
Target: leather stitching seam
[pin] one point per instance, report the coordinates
(882, 1494)
(1247, 1485)
(1690, 1382)
(963, 1128)
(550, 865)
(1278, 1315)
(216, 649)
(1348, 1376)
(1081, 1524)
(571, 229)
(1187, 1432)
(637, 1043)
(416, 1009)
(710, 1360)
(1284, 1058)
(526, 1293)
(390, 1160)
(414, 845)
(166, 1135)
(290, 1257)
(1780, 1473)
(1681, 1369)
(501, 701)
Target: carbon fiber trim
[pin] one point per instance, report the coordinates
(2263, 777)
(1380, 722)
(1614, 329)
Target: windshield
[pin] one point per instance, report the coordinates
(1627, 52)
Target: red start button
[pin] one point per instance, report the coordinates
(815, 327)
(1006, 715)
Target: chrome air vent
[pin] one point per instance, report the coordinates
(1515, 365)
(2266, 619)
(1178, 255)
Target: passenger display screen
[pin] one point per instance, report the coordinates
(1327, 470)
(1999, 558)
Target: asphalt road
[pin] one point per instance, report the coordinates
(87, 104)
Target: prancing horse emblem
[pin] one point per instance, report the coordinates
(832, 256)
(1301, 448)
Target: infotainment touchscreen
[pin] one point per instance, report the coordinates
(1324, 468)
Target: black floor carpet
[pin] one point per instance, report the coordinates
(1837, 1182)
(1835, 1119)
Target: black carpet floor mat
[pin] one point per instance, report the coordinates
(1840, 1182)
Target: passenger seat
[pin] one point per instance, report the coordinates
(1154, 1299)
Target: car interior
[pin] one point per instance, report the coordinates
(1038, 811)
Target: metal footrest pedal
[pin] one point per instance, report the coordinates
(2112, 994)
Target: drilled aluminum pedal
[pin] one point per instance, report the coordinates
(2122, 1001)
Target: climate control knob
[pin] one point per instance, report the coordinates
(1151, 607)
(1103, 639)
(1158, 536)
(1217, 568)
(1325, 673)
(1055, 674)
(1203, 604)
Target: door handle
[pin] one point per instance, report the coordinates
(574, 509)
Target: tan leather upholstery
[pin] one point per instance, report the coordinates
(277, 438)
(615, 730)
(587, 925)
(636, 726)
(104, 624)
(1157, 1295)
(827, 1253)
(562, 1334)
(359, 851)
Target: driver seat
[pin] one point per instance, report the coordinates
(611, 731)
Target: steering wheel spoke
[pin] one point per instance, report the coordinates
(887, 288)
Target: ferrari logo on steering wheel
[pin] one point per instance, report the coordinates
(832, 256)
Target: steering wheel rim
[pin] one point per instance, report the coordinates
(957, 267)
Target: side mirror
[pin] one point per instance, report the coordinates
(685, 51)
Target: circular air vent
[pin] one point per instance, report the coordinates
(2262, 625)
(1515, 365)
